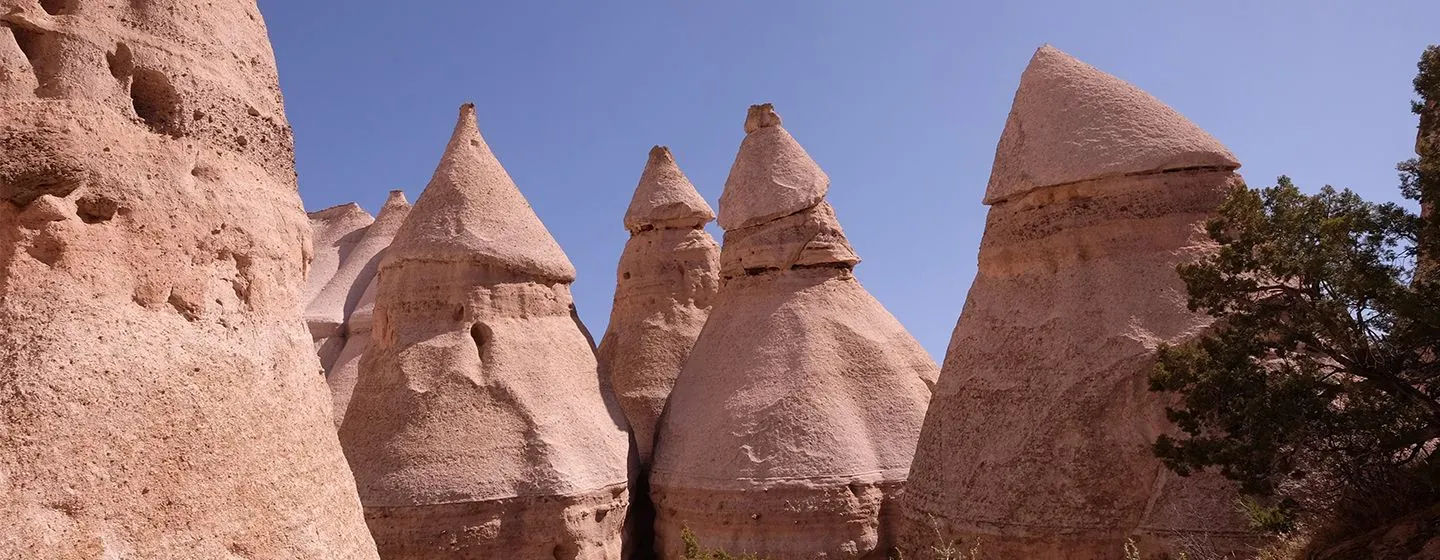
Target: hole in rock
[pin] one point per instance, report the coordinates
(565, 552)
(96, 209)
(157, 102)
(121, 62)
(59, 7)
(481, 334)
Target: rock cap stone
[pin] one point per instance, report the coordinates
(772, 175)
(1072, 122)
(665, 197)
(472, 211)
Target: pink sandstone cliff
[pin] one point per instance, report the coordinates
(160, 396)
(1037, 440)
(791, 427)
(479, 427)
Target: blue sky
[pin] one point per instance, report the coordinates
(900, 102)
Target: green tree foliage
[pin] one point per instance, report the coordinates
(1321, 375)
(1420, 177)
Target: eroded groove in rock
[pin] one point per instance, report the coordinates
(152, 334)
(791, 427)
(1037, 440)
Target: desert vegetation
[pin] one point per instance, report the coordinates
(1315, 389)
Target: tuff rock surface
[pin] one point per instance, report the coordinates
(158, 396)
(335, 231)
(1037, 440)
(353, 286)
(791, 427)
(667, 278)
(479, 426)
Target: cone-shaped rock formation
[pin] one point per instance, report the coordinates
(1037, 440)
(793, 423)
(478, 427)
(1070, 122)
(667, 278)
(356, 282)
(485, 218)
(160, 397)
(335, 231)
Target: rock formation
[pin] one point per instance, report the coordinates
(478, 427)
(336, 230)
(354, 285)
(1037, 440)
(158, 396)
(792, 425)
(667, 278)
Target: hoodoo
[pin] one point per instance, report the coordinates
(792, 425)
(667, 278)
(160, 396)
(1037, 440)
(355, 284)
(479, 426)
(336, 231)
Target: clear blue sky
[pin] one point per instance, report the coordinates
(900, 102)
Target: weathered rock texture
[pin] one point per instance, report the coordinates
(792, 425)
(478, 427)
(158, 396)
(336, 230)
(1037, 440)
(668, 275)
(353, 288)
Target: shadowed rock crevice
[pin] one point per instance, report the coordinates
(121, 63)
(32, 44)
(59, 7)
(157, 102)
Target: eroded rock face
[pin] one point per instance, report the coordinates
(160, 397)
(668, 275)
(1037, 440)
(479, 427)
(791, 427)
(351, 290)
(335, 231)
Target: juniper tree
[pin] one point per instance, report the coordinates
(1321, 374)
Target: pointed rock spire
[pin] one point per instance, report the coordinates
(772, 175)
(355, 283)
(665, 197)
(335, 232)
(1038, 439)
(335, 301)
(793, 421)
(472, 210)
(1072, 122)
(479, 401)
(666, 281)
